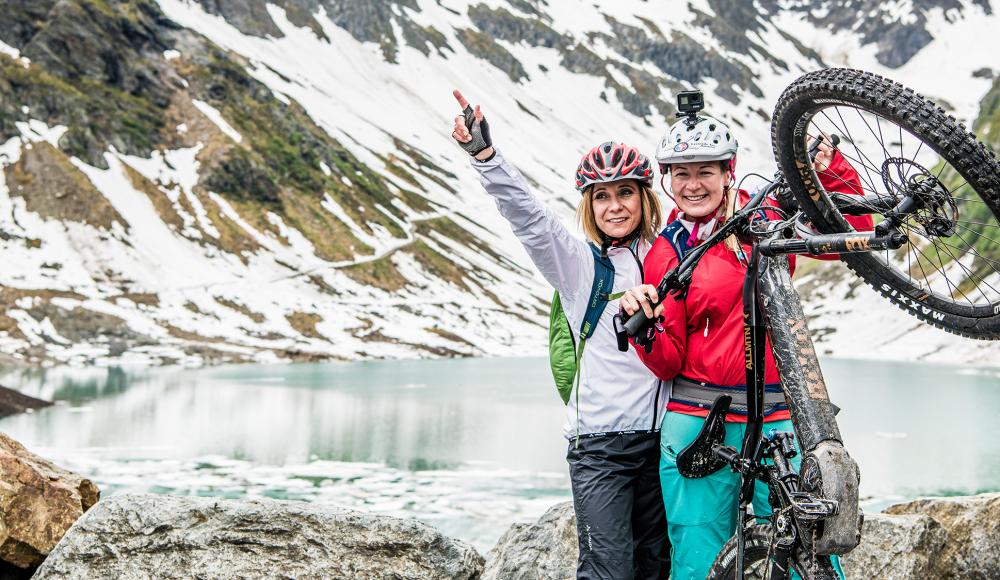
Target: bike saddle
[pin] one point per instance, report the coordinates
(698, 459)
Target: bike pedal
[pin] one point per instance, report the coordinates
(808, 507)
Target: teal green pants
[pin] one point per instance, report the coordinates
(701, 513)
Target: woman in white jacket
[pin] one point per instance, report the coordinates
(613, 419)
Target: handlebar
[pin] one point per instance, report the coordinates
(846, 243)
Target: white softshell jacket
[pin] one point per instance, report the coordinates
(617, 393)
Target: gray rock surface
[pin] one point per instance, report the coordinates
(544, 550)
(895, 547)
(954, 538)
(132, 536)
(972, 524)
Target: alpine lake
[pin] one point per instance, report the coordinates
(467, 445)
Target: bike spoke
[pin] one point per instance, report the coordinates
(919, 147)
(983, 224)
(901, 155)
(843, 130)
(972, 248)
(869, 185)
(993, 262)
(920, 266)
(952, 287)
(980, 235)
(969, 200)
(972, 273)
(878, 137)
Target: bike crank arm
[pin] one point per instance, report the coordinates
(846, 243)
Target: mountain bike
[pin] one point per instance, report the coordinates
(933, 191)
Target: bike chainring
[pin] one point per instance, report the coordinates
(936, 212)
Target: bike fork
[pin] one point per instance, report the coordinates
(826, 466)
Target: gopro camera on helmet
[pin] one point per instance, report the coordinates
(688, 105)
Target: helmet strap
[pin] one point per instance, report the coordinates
(666, 191)
(609, 242)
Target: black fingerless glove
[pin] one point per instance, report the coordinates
(480, 131)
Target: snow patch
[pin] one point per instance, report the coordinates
(216, 117)
(14, 54)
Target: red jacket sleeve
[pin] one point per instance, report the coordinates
(841, 177)
(669, 348)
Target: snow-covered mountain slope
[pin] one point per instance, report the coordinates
(222, 180)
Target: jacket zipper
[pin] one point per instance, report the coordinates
(656, 403)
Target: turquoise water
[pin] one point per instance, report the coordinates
(468, 445)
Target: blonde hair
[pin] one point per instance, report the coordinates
(732, 198)
(649, 225)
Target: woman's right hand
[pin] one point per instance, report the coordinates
(472, 131)
(641, 297)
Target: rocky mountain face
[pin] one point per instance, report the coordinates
(219, 180)
(112, 78)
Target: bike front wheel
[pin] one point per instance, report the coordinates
(903, 147)
(756, 563)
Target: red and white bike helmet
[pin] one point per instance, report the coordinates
(612, 161)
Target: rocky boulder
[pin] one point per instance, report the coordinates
(38, 503)
(952, 537)
(956, 537)
(544, 550)
(13, 402)
(895, 547)
(973, 527)
(132, 536)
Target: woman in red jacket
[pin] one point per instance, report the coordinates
(701, 347)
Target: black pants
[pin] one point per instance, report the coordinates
(619, 508)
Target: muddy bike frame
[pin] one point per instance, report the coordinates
(815, 509)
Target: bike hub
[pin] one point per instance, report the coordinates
(922, 196)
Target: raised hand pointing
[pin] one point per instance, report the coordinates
(472, 131)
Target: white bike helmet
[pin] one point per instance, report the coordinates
(707, 139)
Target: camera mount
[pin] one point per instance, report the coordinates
(689, 103)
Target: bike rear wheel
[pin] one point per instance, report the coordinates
(948, 274)
(758, 538)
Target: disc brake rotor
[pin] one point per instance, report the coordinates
(936, 212)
